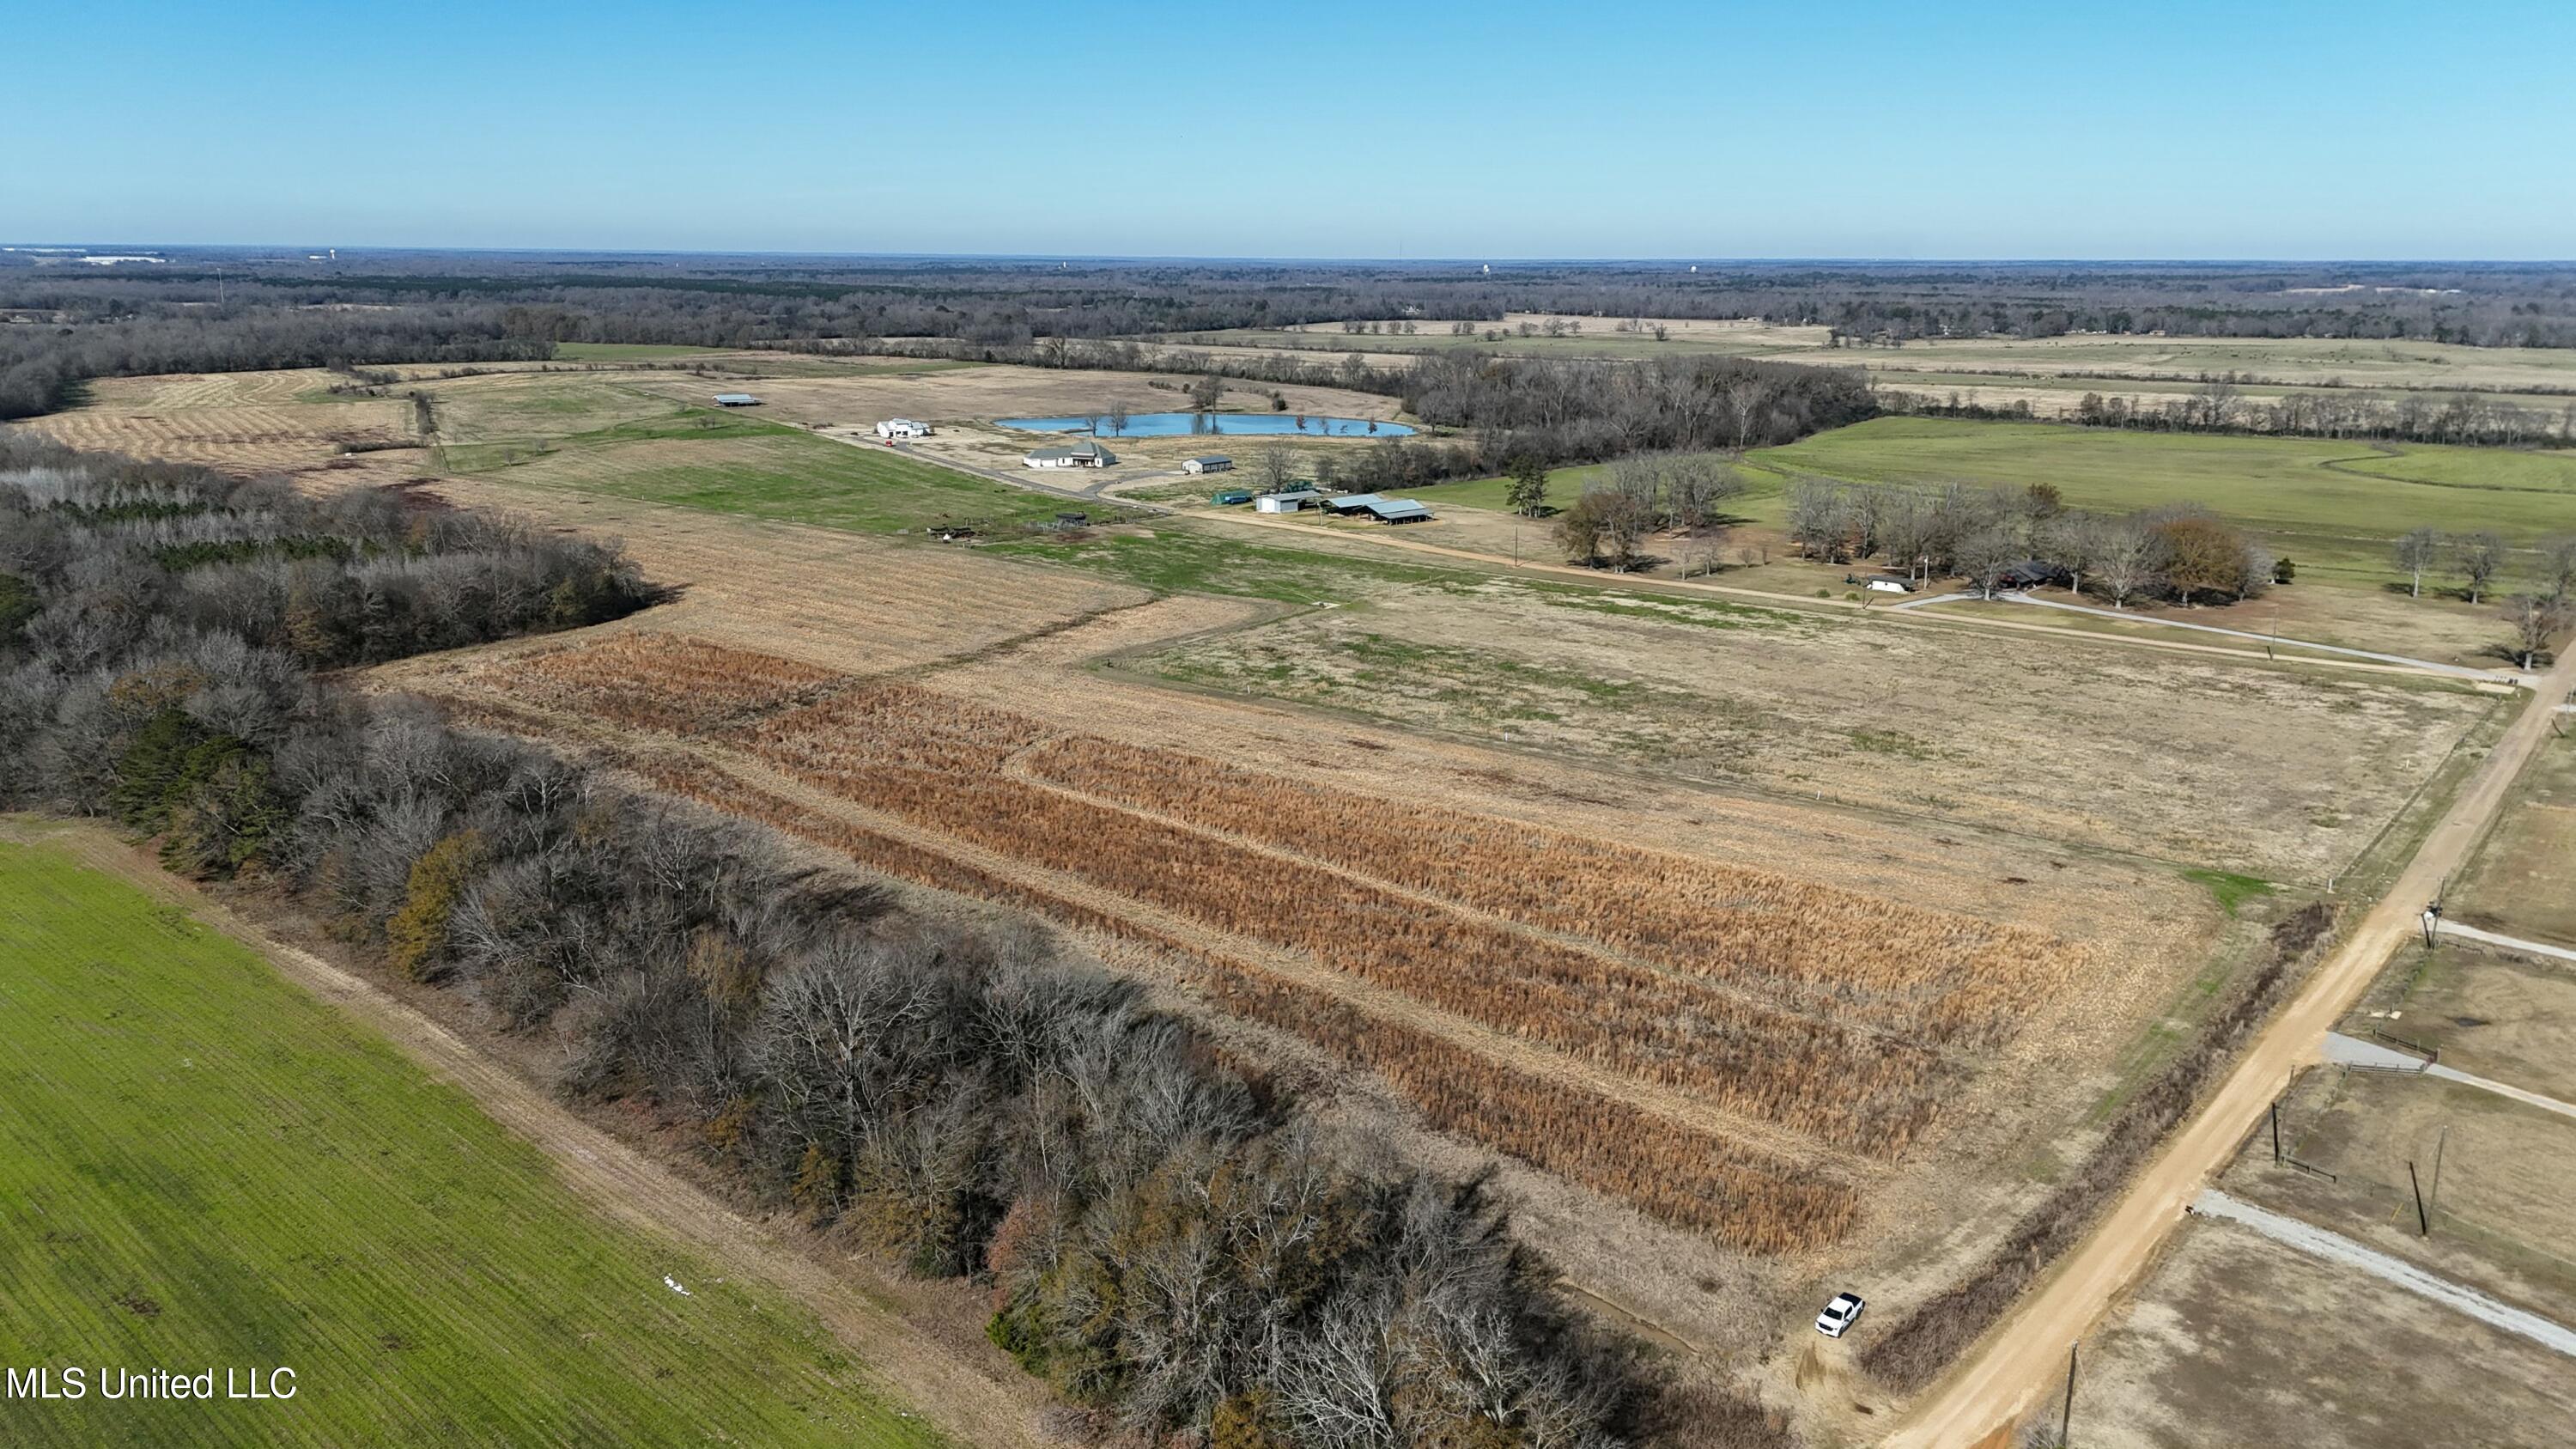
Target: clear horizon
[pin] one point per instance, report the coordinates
(2302, 133)
(102, 247)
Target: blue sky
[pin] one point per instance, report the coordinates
(1498, 129)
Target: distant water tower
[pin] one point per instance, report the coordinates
(1489, 269)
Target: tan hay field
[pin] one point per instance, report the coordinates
(985, 393)
(245, 424)
(2101, 747)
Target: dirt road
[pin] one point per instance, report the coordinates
(625, 1186)
(2003, 1376)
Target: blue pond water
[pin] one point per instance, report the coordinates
(1177, 425)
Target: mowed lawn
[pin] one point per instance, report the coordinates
(203, 1166)
(730, 463)
(2333, 507)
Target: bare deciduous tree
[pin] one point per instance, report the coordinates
(2417, 551)
(2478, 556)
(2124, 565)
(1274, 467)
(2537, 620)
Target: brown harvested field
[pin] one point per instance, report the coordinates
(2098, 746)
(1948, 978)
(1712, 1213)
(941, 763)
(1739, 1014)
(661, 681)
(1675, 1172)
(2238, 1340)
(2522, 881)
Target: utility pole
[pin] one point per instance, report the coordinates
(2423, 1221)
(2276, 1132)
(2066, 1418)
(2438, 1142)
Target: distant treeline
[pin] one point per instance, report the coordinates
(2222, 407)
(41, 362)
(224, 311)
(1161, 1242)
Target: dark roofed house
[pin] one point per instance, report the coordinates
(2030, 573)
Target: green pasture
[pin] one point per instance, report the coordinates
(203, 1166)
(2333, 506)
(731, 462)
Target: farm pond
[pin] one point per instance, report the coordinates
(1176, 425)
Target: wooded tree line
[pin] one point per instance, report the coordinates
(1161, 1241)
(2182, 552)
(1569, 410)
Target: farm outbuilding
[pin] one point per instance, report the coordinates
(893, 428)
(736, 400)
(1287, 502)
(1212, 464)
(1085, 454)
(1379, 507)
(1889, 584)
(1227, 497)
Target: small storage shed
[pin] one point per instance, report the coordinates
(1888, 584)
(1298, 501)
(1211, 464)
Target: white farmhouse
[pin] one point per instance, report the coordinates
(1085, 454)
